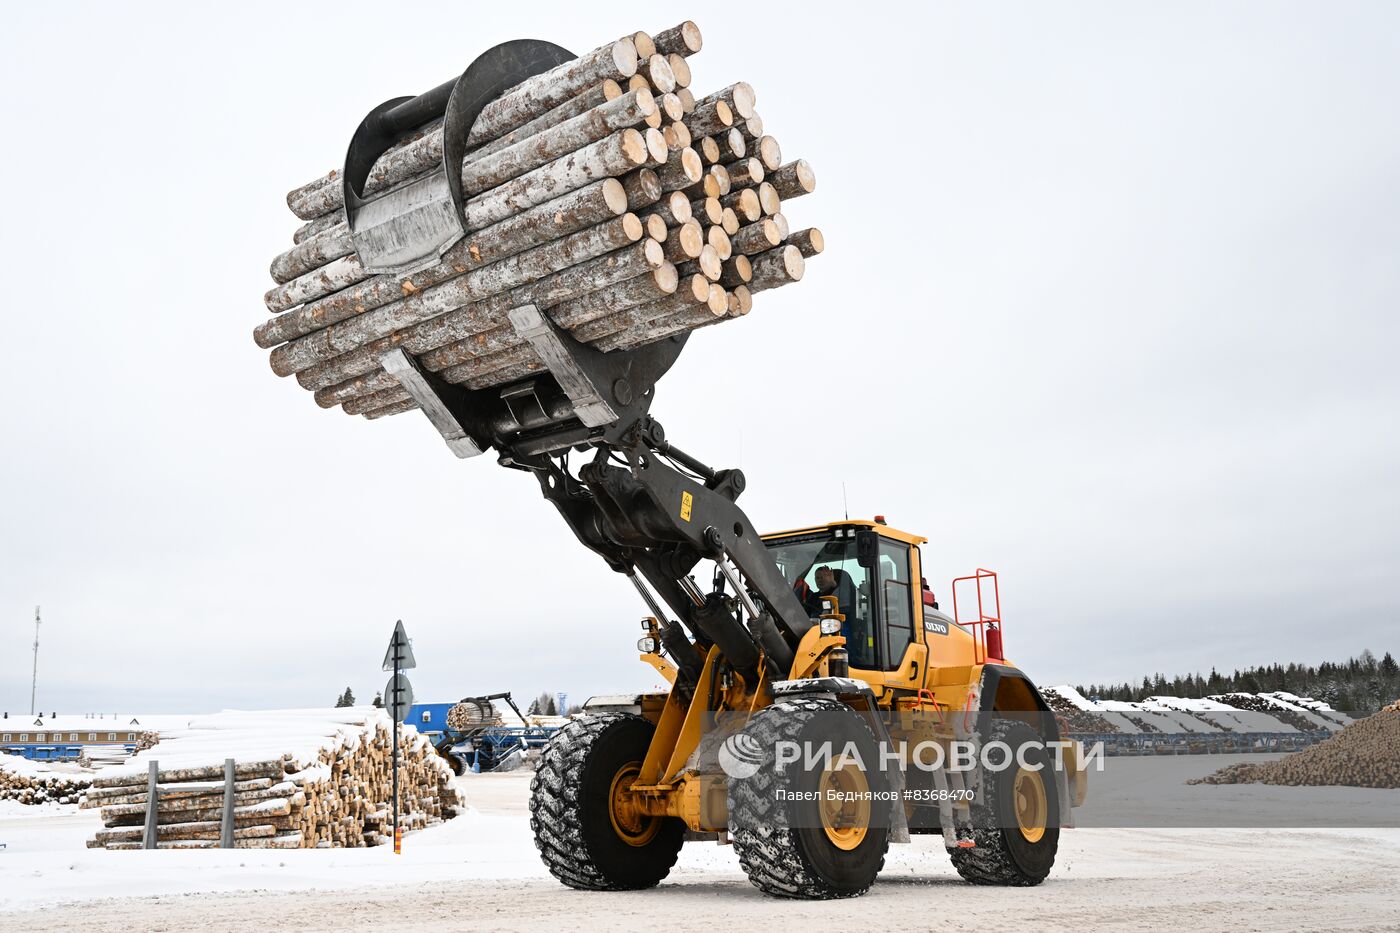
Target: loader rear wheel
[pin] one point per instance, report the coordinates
(793, 838)
(1017, 824)
(587, 828)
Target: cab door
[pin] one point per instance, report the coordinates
(896, 622)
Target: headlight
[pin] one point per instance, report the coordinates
(647, 645)
(831, 626)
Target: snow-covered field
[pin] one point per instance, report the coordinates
(480, 871)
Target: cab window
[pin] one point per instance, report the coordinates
(896, 600)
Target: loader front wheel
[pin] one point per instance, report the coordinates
(1017, 824)
(587, 828)
(815, 832)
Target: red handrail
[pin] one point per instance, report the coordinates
(984, 618)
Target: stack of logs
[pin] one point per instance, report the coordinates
(341, 798)
(472, 714)
(1364, 754)
(604, 191)
(27, 783)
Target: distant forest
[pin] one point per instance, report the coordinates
(1359, 683)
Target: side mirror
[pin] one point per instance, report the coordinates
(867, 546)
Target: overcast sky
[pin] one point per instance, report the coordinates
(1109, 305)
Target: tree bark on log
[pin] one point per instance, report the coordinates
(737, 271)
(744, 173)
(642, 187)
(709, 118)
(684, 242)
(585, 100)
(758, 237)
(468, 321)
(244, 770)
(674, 209)
(616, 155)
(509, 273)
(683, 40)
(738, 97)
(318, 283)
(745, 203)
(776, 267)
(531, 98)
(809, 242)
(794, 180)
(567, 215)
(681, 170)
(570, 136)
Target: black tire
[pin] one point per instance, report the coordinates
(571, 811)
(1005, 855)
(781, 845)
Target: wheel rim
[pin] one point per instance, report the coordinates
(845, 806)
(631, 825)
(1032, 809)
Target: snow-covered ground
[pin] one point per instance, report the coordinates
(481, 871)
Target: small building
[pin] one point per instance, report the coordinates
(62, 738)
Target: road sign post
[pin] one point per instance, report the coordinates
(398, 698)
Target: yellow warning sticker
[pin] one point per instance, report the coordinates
(686, 500)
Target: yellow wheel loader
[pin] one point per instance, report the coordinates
(820, 705)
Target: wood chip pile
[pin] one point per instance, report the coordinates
(303, 779)
(1364, 754)
(30, 783)
(606, 191)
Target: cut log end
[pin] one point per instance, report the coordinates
(645, 45)
(717, 238)
(680, 69)
(770, 153)
(809, 242)
(656, 227)
(729, 220)
(737, 271)
(615, 195)
(683, 40)
(624, 57)
(768, 199)
(656, 149)
(635, 146)
(658, 73)
(794, 179)
(671, 106)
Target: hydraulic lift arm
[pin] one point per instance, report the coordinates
(649, 509)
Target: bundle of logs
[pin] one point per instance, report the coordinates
(472, 714)
(604, 191)
(338, 797)
(28, 783)
(1364, 754)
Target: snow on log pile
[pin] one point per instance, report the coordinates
(1363, 754)
(1295, 716)
(30, 782)
(1274, 713)
(1070, 703)
(605, 191)
(302, 779)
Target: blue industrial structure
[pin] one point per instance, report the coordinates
(482, 747)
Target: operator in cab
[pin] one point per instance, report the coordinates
(827, 585)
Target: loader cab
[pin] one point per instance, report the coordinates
(874, 568)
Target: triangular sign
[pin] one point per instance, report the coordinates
(399, 645)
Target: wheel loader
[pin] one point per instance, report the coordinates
(820, 704)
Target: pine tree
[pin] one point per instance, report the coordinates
(345, 699)
(378, 700)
